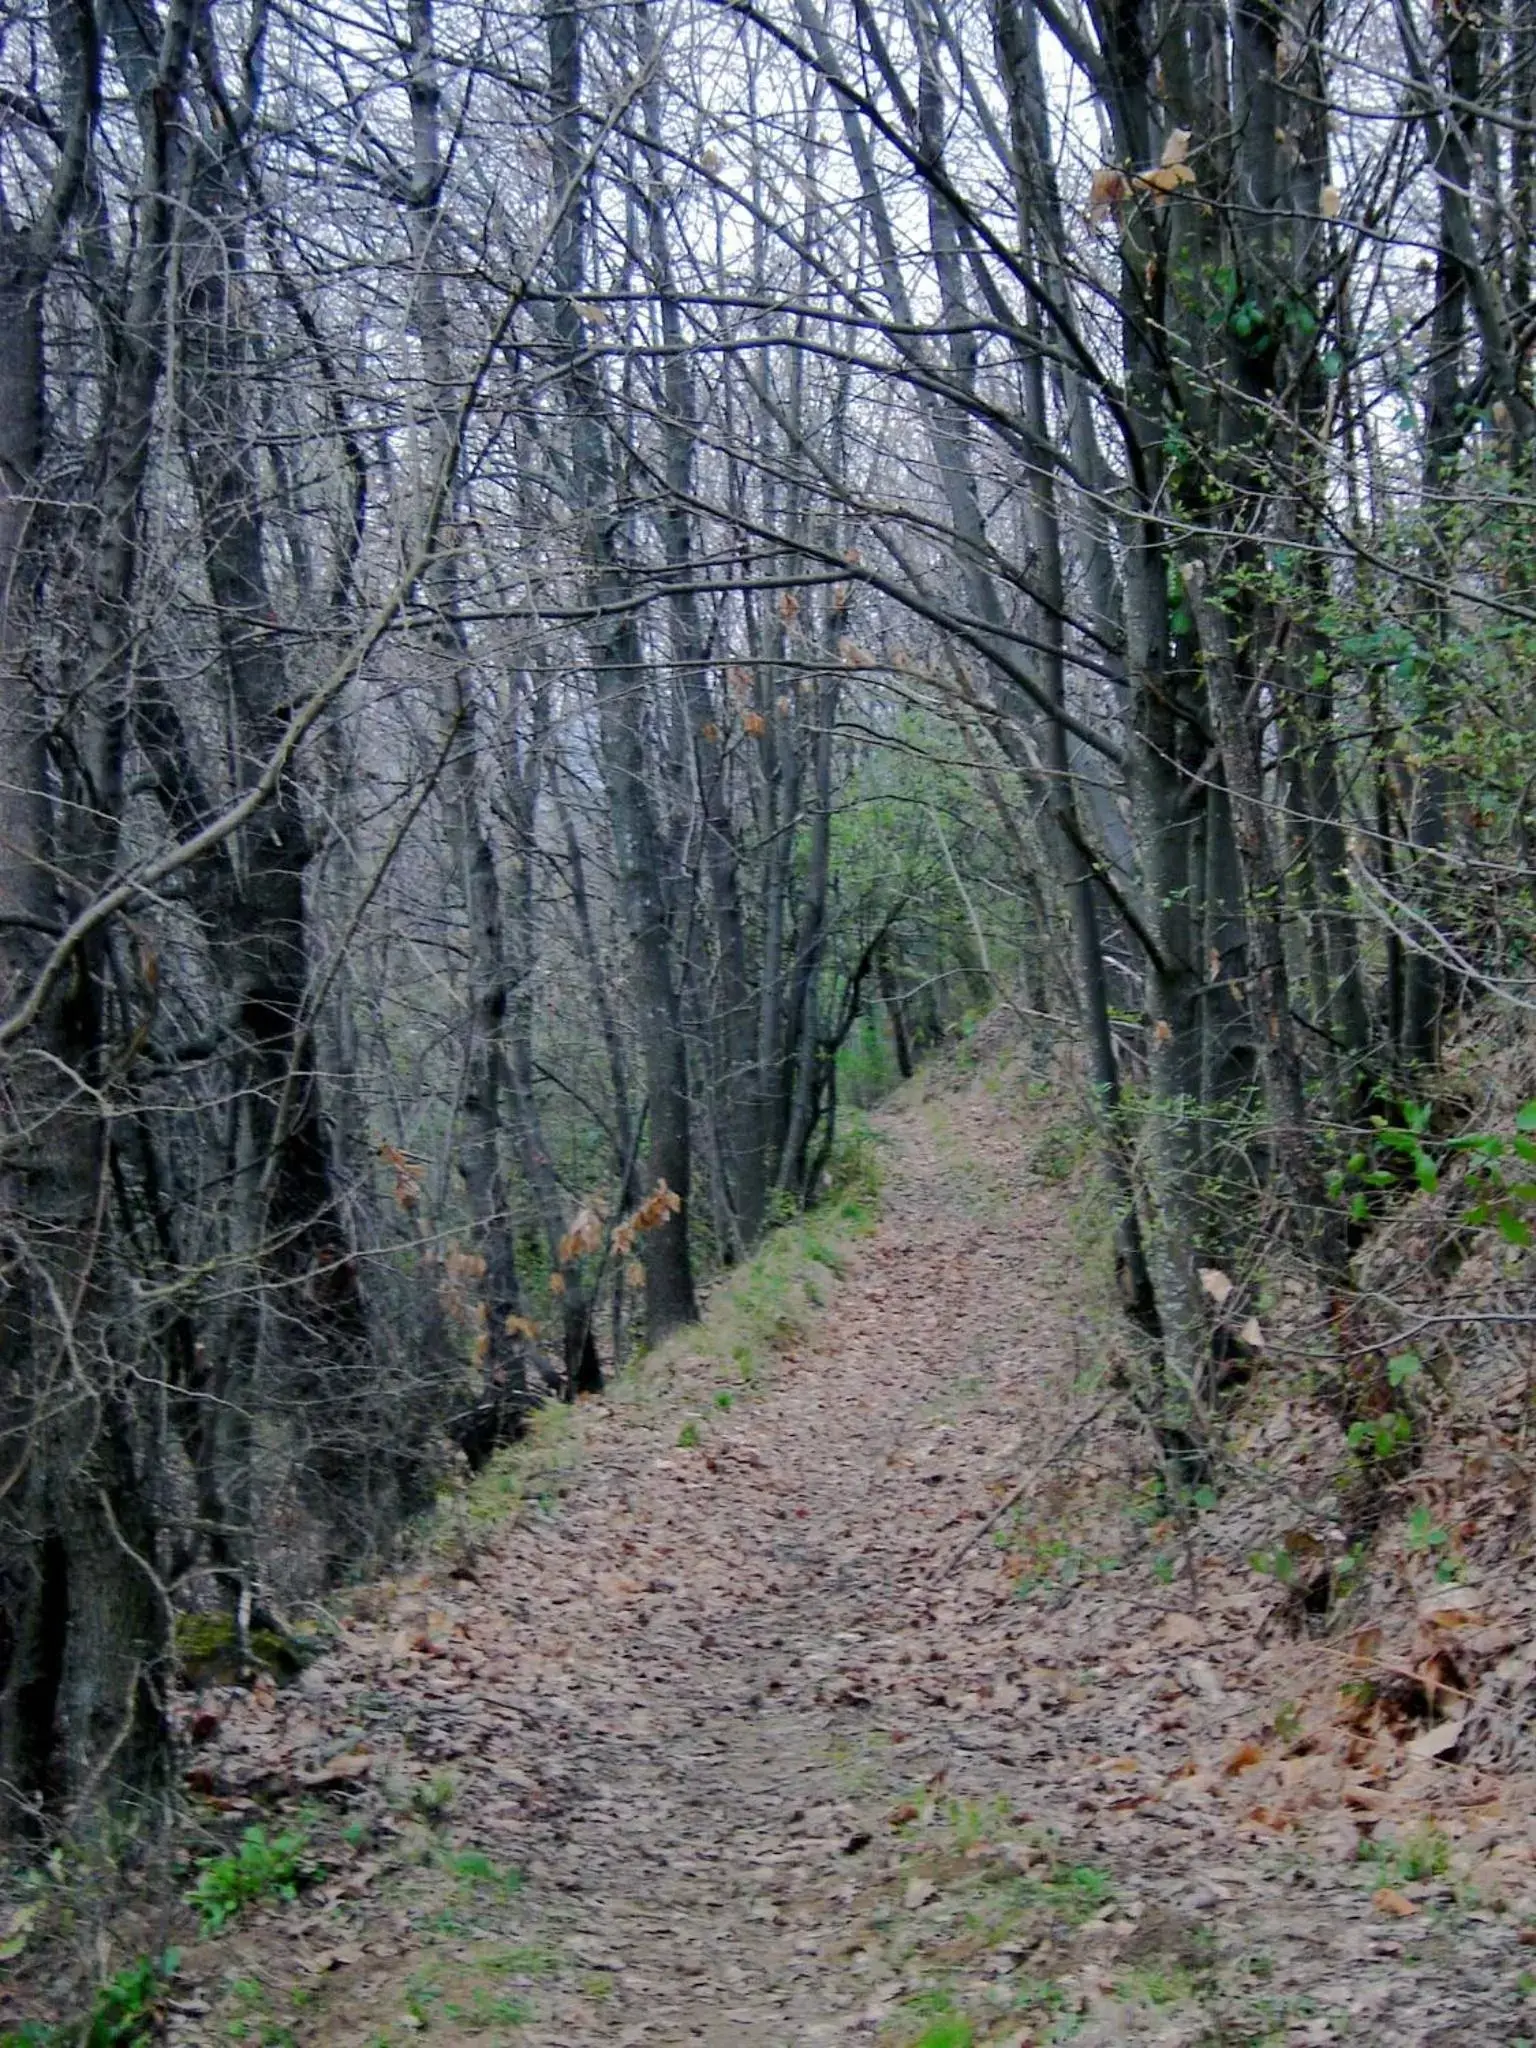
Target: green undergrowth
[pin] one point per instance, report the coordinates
(464, 1970)
(995, 1932)
(751, 1313)
(127, 2011)
(769, 1303)
(527, 1477)
(979, 1918)
(209, 1652)
(257, 1869)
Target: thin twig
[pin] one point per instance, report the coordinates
(1022, 1488)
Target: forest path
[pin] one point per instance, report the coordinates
(783, 1764)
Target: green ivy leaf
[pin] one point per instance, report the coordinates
(1512, 1228)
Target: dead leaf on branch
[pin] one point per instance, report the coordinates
(1165, 180)
(1217, 1285)
(408, 1175)
(1111, 187)
(584, 1235)
(660, 1204)
(1107, 191)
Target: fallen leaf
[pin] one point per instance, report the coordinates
(1180, 1631)
(1218, 1285)
(341, 1770)
(1433, 1742)
(918, 1892)
(1364, 1800)
(1389, 1901)
(1452, 1606)
(1243, 1758)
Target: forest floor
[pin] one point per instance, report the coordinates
(773, 1731)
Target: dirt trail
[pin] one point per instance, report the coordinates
(780, 1766)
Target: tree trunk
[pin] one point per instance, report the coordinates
(620, 675)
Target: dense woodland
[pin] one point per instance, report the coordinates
(578, 583)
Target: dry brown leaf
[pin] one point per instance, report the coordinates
(1175, 149)
(1453, 1606)
(1243, 1758)
(1217, 1285)
(1395, 1903)
(1433, 1742)
(1166, 180)
(1330, 200)
(1109, 189)
(340, 1771)
(584, 1235)
(1180, 1631)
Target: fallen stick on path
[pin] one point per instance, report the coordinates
(1022, 1488)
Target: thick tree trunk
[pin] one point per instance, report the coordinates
(740, 1113)
(502, 1344)
(84, 1625)
(620, 675)
(311, 1320)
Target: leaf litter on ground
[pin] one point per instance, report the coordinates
(875, 1711)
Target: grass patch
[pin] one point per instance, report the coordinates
(256, 1870)
(977, 1890)
(521, 1478)
(127, 2011)
(1418, 1857)
(771, 1301)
